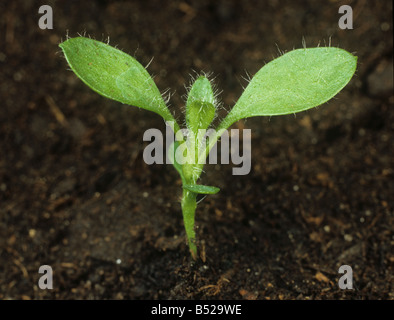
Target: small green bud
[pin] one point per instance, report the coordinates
(200, 105)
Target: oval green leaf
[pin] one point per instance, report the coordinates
(114, 74)
(296, 81)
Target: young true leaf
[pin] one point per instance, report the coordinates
(200, 105)
(299, 80)
(201, 189)
(200, 111)
(114, 74)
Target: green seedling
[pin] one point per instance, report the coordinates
(296, 81)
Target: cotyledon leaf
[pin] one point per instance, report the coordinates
(296, 81)
(114, 74)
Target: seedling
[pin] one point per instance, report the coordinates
(296, 81)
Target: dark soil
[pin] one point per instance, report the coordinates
(76, 194)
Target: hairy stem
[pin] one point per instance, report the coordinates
(189, 205)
